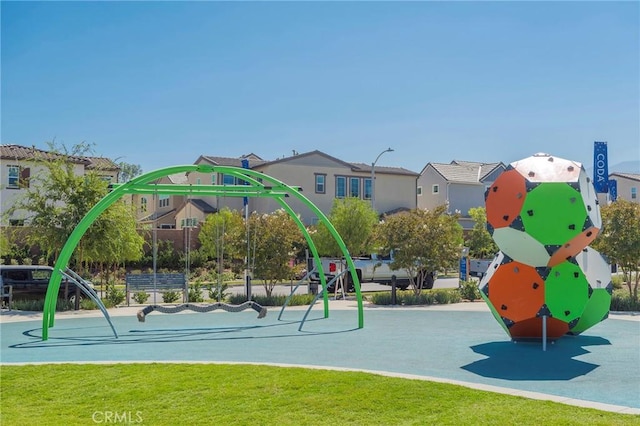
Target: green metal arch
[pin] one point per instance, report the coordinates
(255, 187)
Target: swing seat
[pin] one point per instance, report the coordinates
(262, 311)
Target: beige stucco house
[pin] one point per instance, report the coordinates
(21, 167)
(324, 178)
(628, 186)
(460, 185)
(321, 178)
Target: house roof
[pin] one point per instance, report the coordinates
(203, 206)
(254, 160)
(102, 163)
(178, 178)
(156, 216)
(362, 167)
(485, 168)
(19, 152)
(356, 167)
(630, 176)
(307, 154)
(464, 171)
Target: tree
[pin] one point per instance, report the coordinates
(274, 239)
(479, 241)
(223, 236)
(4, 245)
(355, 220)
(128, 171)
(58, 198)
(423, 242)
(620, 240)
(116, 239)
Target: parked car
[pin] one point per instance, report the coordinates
(30, 282)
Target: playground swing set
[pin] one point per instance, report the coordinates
(220, 236)
(256, 184)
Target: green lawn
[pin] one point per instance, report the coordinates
(190, 394)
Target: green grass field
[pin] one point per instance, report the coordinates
(195, 394)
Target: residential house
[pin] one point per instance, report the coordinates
(22, 166)
(324, 178)
(627, 186)
(192, 212)
(159, 210)
(321, 177)
(196, 178)
(460, 185)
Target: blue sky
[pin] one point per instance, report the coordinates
(160, 83)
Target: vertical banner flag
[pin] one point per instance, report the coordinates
(245, 165)
(600, 167)
(613, 189)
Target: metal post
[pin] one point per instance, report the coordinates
(155, 260)
(373, 178)
(544, 333)
(393, 289)
(247, 276)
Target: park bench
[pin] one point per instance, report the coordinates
(163, 282)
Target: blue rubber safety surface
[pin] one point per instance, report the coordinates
(601, 365)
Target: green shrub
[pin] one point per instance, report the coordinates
(621, 301)
(381, 298)
(38, 305)
(195, 293)
(141, 297)
(274, 300)
(444, 297)
(213, 292)
(301, 299)
(114, 296)
(617, 281)
(469, 290)
(170, 296)
(226, 276)
(428, 297)
(409, 298)
(88, 304)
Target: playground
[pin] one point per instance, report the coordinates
(458, 343)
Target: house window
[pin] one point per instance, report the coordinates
(228, 180)
(163, 201)
(354, 187)
(189, 222)
(367, 189)
(634, 192)
(143, 204)
(435, 189)
(341, 186)
(320, 183)
(167, 226)
(14, 177)
(198, 181)
(213, 179)
(419, 191)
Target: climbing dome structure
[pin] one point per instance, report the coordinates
(543, 213)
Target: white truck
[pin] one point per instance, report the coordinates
(374, 268)
(478, 267)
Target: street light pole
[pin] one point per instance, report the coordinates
(373, 178)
